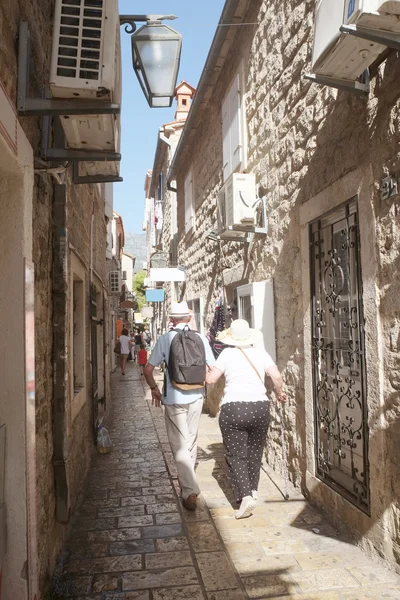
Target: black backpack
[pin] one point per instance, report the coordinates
(187, 360)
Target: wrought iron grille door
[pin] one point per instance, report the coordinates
(340, 408)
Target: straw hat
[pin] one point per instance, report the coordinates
(179, 309)
(239, 334)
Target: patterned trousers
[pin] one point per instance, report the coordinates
(244, 427)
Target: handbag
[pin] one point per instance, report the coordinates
(117, 348)
(245, 355)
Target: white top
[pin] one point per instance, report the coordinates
(242, 382)
(124, 340)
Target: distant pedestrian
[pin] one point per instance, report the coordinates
(126, 346)
(142, 358)
(138, 343)
(183, 402)
(245, 408)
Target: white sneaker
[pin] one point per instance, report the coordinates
(254, 493)
(247, 506)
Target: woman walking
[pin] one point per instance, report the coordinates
(245, 410)
(142, 358)
(126, 346)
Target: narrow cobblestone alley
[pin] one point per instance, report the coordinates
(131, 539)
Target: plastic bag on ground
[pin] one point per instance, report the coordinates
(104, 444)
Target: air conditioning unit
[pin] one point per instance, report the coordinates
(86, 64)
(344, 56)
(237, 202)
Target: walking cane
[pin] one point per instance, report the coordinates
(284, 456)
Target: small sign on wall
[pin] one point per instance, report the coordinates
(389, 187)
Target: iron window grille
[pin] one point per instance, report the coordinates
(339, 386)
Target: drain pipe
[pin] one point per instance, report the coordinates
(60, 341)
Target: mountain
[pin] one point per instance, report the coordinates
(135, 244)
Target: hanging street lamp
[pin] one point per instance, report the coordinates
(156, 53)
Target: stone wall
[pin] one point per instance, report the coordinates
(81, 200)
(303, 138)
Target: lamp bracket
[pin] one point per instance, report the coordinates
(130, 20)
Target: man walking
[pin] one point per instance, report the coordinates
(183, 403)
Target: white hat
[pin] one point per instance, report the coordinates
(179, 309)
(239, 334)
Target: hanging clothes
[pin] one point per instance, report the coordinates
(218, 325)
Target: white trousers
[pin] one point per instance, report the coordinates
(182, 424)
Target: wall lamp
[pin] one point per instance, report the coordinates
(156, 54)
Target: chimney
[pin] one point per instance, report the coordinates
(184, 94)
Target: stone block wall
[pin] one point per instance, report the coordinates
(81, 199)
(301, 139)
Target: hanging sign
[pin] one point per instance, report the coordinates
(147, 312)
(157, 295)
(168, 274)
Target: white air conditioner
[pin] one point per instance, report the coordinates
(86, 64)
(344, 56)
(237, 203)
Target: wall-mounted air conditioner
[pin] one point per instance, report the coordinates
(237, 204)
(344, 56)
(86, 64)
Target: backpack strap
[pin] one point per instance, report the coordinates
(249, 361)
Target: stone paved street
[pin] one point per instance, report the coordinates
(131, 539)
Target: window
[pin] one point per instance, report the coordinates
(189, 203)
(160, 190)
(78, 358)
(246, 309)
(78, 349)
(115, 282)
(255, 303)
(340, 399)
(233, 129)
(196, 306)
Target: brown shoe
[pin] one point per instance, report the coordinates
(190, 503)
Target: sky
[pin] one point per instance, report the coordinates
(197, 23)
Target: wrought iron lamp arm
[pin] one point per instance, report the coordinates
(130, 20)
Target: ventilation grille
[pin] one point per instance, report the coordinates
(79, 45)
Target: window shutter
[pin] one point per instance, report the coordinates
(226, 139)
(108, 200)
(189, 208)
(235, 107)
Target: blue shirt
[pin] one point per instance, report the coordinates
(161, 353)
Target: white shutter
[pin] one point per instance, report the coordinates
(108, 200)
(235, 107)
(189, 208)
(226, 138)
(232, 129)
